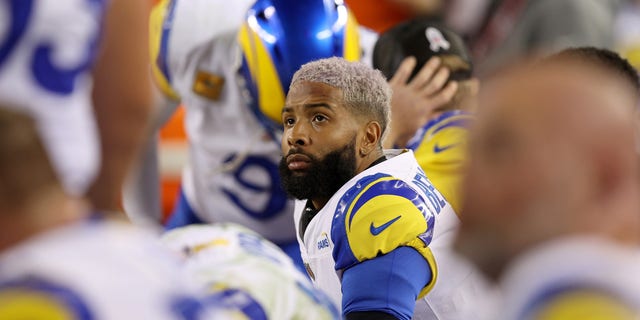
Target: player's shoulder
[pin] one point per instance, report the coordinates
(35, 297)
(574, 302)
(378, 213)
(445, 132)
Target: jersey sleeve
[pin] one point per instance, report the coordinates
(441, 152)
(180, 31)
(34, 298)
(377, 215)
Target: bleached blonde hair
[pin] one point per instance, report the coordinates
(364, 89)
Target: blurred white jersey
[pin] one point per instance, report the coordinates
(234, 260)
(47, 49)
(232, 174)
(93, 270)
(560, 278)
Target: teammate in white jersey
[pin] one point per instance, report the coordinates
(368, 218)
(228, 259)
(54, 55)
(59, 262)
(230, 64)
(551, 193)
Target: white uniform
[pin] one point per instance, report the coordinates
(46, 52)
(231, 257)
(92, 270)
(232, 174)
(395, 187)
(559, 278)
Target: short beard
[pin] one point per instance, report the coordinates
(323, 178)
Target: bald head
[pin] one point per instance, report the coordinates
(552, 155)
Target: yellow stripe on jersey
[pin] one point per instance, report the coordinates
(585, 306)
(378, 217)
(159, 30)
(441, 153)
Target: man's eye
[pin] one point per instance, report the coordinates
(288, 121)
(319, 118)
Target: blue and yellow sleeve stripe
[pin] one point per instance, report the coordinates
(578, 303)
(160, 23)
(34, 298)
(379, 214)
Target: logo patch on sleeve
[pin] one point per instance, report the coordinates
(208, 85)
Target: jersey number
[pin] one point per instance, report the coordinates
(46, 73)
(277, 199)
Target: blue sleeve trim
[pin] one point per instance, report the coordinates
(389, 283)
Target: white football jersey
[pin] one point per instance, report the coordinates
(559, 277)
(405, 180)
(228, 257)
(47, 49)
(232, 174)
(93, 270)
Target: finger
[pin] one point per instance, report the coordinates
(445, 95)
(425, 73)
(437, 82)
(404, 71)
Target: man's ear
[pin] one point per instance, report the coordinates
(370, 140)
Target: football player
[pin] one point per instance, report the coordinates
(59, 261)
(231, 261)
(76, 66)
(366, 217)
(230, 65)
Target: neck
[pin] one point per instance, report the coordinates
(368, 160)
(49, 211)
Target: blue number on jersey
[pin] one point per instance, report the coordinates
(51, 77)
(277, 197)
(425, 185)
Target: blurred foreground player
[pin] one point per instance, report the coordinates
(439, 145)
(58, 261)
(366, 217)
(231, 261)
(77, 68)
(551, 195)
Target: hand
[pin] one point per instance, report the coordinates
(413, 103)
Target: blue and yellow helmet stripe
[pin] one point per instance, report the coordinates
(279, 36)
